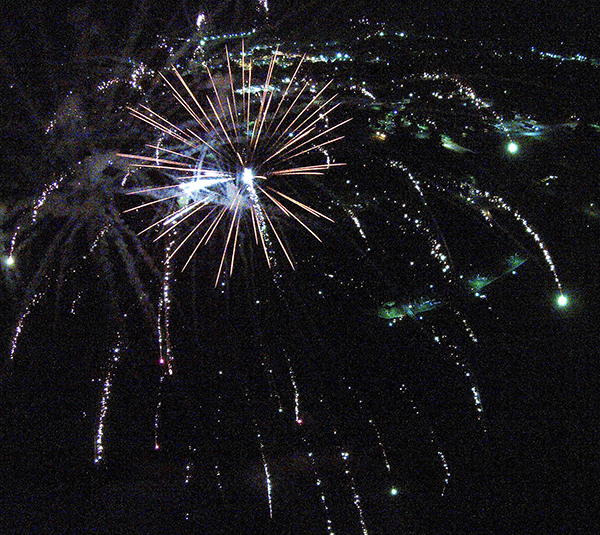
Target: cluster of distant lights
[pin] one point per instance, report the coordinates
(378, 31)
(409, 116)
(580, 58)
(382, 29)
(495, 119)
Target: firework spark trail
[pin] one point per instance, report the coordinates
(267, 474)
(292, 376)
(441, 252)
(188, 472)
(189, 467)
(164, 314)
(438, 248)
(33, 302)
(105, 399)
(298, 419)
(265, 361)
(442, 341)
(267, 366)
(37, 293)
(243, 147)
(273, 391)
(66, 253)
(468, 329)
(164, 336)
(157, 413)
(432, 437)
(434, 441)
(34, 212)
(259, 439)
(95, 243)
(379, 440)
(381, 445)
(38, 289)
(56, 265)
(13, 242)
(319, 485)
(216, 436)
(373, 426)
(276, 277)
(358, 226)
(355, 496)
(474, 196)
(500, 204)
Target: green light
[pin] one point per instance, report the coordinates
(394, 491)
(512, 147)
(562, 300)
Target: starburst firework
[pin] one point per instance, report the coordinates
(233, 142)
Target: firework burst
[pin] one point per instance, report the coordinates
(285, 392)
(235, 140)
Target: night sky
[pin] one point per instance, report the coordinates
(532, 471)
(550, 23)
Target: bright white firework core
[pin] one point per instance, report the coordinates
(562, 300)
(247, 176)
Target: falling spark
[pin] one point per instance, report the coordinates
(105, 399)
(319, 484)
(164, 337)
(267, 473)
(501, 204)
(433, 441)
(355, 496)
(33, 302)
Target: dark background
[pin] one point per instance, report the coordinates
(534, 473)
